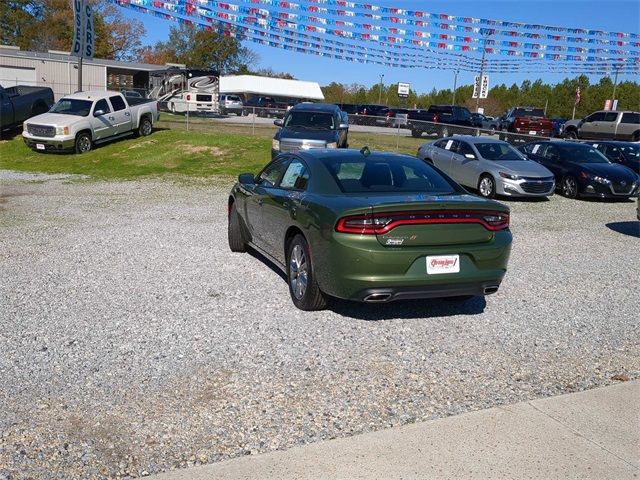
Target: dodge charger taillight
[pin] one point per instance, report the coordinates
(384, 222)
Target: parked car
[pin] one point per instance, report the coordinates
(371, 114)
(477, 119)
(230, 104)
(582, 171)
(557, 125)
(491, 166)
(265, 107)
(398, 117)
(526, 121)
(605, 125)
(82, 120)
(369, 226)
(349, 108)
(440, 119)
(311, 125)
(624, 153)
(22, 102)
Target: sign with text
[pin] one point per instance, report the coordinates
(83, 33)
(88, 32)
(481, 88)
(403, 89)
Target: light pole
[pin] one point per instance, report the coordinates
(455, 83)
(486, 35)
(380, 91)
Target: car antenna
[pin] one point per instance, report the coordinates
(365, 151)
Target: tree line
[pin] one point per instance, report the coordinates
(558, 99)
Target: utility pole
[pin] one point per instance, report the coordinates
(455, 83)
(80, 73)
(486, 35)
(615, 82)
(380, 91)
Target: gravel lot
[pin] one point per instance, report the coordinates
(132, 341)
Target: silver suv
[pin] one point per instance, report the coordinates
(231, 104)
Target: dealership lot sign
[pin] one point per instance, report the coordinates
(83, 36)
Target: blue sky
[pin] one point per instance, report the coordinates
(614, 15)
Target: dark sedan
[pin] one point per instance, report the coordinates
(582, 171)
(369, 226)
(624, 153)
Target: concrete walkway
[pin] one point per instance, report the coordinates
(587, 435)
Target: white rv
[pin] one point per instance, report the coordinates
(180, 94)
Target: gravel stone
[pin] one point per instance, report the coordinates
(133, 342)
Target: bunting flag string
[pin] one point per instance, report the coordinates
(454, 43)
(412, 14)
(437, 23)
(258, 25)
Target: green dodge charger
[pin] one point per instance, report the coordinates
(369, 226)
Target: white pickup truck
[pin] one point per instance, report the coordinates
(77, 122)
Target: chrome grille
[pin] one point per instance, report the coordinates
(293, 146)
(41, 130)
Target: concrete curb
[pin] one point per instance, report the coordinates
(587, 435)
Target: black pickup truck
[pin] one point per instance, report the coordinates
(440, 119)
(22, 102)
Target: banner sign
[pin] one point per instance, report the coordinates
(481, 88)
(83, 32)
(88, 32)
(78, 25)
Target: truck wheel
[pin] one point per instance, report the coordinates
(83, 143)
(572, 135)
(635, 137)
(145, 127)
(444, 132)
(416, 133)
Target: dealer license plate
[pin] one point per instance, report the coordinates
(437, 264)
(532, 132)
(39, 146)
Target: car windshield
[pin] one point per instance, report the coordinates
(317, 120)
(498, 152)
(69, 106)
(583, 154)
(631, 151)
(393, 174)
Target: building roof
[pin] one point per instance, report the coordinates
(61, 57)
(273, 87)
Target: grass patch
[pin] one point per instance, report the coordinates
(208, 149)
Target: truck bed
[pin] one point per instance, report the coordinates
(24, 90)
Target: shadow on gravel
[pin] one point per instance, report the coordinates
(408, 309)
(258, 256)
(523, 199)
(626, 228)
(395, 310)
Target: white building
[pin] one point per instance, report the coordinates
(59, 71)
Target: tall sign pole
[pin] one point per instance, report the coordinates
(487, 34)
(615, 82)
(83, 37)
(455, 85)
